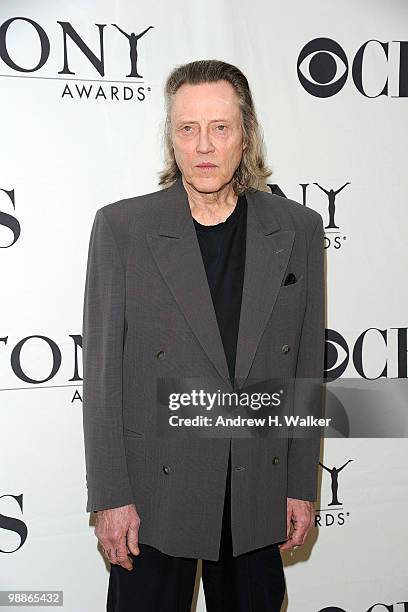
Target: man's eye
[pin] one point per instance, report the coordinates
(187, 128)
(221, 126)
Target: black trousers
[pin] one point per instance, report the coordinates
(251, 582)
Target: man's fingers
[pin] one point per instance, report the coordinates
(118, 555)
(112, 528)
(109, 553)
(123, 559)
(133, 540)
(291, 543)
(300, 518)
(297, 535)
(288, 544)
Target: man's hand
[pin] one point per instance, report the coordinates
(117, 530)
(299, 517)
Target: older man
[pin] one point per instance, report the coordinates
(211, 276)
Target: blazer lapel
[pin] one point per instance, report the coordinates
(267, 255)
(176, 251)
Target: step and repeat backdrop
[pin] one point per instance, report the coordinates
(82, 116)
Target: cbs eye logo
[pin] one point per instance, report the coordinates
(337, 355)
(325, 65)
(323, 68)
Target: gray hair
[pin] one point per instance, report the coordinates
(252, 170)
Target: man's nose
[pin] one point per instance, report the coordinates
(204, 142)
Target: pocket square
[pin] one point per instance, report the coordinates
(290, 279)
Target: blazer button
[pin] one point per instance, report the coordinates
(166, 469)
(275, 460)
(285, 348)
(160, 355)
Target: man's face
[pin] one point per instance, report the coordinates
(206, 128)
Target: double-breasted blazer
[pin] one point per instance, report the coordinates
(148, 313)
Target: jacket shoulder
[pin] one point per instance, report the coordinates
(137, 211)
(290, 214)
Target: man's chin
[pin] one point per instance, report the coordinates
(206, 185)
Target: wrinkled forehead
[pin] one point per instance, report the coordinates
(205, 101)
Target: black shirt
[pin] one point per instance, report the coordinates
(223, 250)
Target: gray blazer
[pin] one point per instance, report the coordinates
(148, 313)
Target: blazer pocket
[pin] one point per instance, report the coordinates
(287, 291)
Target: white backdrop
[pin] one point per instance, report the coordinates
(69, 146)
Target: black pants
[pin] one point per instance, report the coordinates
(252, 582)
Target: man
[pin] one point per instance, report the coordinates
(212, 276)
